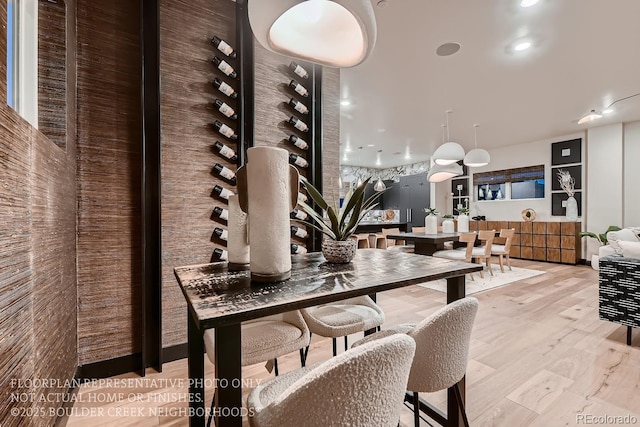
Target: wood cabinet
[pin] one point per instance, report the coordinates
(541, 241)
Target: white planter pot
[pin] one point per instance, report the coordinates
(448, 226)
(431, 224)
(595, 262)
(463, 223)
(572, 209)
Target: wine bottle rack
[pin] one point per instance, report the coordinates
(298, 123)
(225, 141)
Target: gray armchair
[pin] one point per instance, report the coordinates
(619, 281)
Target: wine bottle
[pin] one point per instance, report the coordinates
(225, 151)
(298, 232)
(299, 214)
(298, 249)
(222, 192)
(302, 198)
(220, 254)
(219, 212)
(298, 106)
(225, 173)
(298, 88)
(298, 142)
(225, 109)
(224, 130)
(223, 47)
(298, 160)
(224, 88)
(221, 233)
(224, 67)
(299, 70)
(298, 124)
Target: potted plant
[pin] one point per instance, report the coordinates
(431, 221)
(447, 224)
(463, 220)
(602, 240)
(341, 223)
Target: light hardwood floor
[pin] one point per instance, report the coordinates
(539, 357)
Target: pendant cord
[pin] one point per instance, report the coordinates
(475, 133)
(448, 136)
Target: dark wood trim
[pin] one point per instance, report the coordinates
(175, 352)
(151, 202)
(246, 89)
(315, 155)
(111, 367)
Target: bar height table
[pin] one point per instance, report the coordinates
(222, 299)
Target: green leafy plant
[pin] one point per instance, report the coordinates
(341, 223)
(431, 211)
(602, 238)
(463, 211)
(447, 216)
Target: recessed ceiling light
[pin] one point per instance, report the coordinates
(348, 149)
(345, 102)
(447, 49)
(371, 145)
(607, 111)
(528, 3)
(382, 130)
(522, 46)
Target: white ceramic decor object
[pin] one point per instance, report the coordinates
(448, 226)
(268, 192)
(572, 209)
(431, 224)
(238, 241)
(463, 223)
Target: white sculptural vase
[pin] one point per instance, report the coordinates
(448, 226)
(268, 191)
(431, 224)
(238, 240)
(463, 223)
(572, 209)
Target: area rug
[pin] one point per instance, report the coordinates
(488, 282)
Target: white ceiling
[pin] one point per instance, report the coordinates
(585, 55)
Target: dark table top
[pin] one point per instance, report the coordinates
(220, 297)
(438, 237)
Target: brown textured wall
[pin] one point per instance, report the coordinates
(186, 29)
(331, 132)
(108, 180)
(37, 255)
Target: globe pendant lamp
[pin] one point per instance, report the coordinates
(335, 33)
(439, 173)
(449, 152)
(477, 157)
(379, 185)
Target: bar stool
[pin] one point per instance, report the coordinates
(363, 241)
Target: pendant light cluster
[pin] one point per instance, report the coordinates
(447, 156)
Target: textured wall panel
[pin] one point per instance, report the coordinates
(331, 136)
(186, 29)
(52, 70)
(108, 180)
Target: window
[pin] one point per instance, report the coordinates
(12, 59)
(510, 184)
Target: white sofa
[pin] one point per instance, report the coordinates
(629, 234)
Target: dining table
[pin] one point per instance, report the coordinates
(426, 244)
(222, 299)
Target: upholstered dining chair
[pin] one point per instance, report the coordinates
(343, 318)
(442, 350)
(464, 254)
(502, 251)
(364, 386)
(266, 339)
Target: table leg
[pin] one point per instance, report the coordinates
(424, 248)
(196, 374)
(455, 291)
(228, 365)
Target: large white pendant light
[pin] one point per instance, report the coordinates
(449, 152)
(335, 33)
(439, 173)
(477, 157)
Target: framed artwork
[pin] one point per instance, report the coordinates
(566, 152)
(575, 171)
(559, 203)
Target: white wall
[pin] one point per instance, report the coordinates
(631, 181)
(514, 156)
